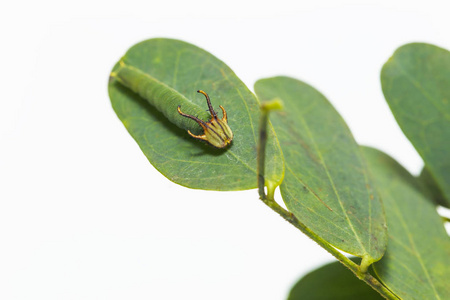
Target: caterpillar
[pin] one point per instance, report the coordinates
(176, 107)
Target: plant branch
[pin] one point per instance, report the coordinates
(288, 216)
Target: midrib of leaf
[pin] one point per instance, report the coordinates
(366, 180)
(420, 89)
(322, 217)
(413, 245)
(333, 185)
(307, 187)
(242, 162)
(406, 267)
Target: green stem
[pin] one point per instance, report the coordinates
(261, 152)
(269, 200)
(445, 219)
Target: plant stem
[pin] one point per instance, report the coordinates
(445, 219)
(288, 216)
(261, 152)
(367, 277)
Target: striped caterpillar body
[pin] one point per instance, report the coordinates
(176, 107)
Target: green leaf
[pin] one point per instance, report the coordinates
(432, 189)
(417, 259)
(184, 69)
(332, 282)
(416, 84)
(326, 184)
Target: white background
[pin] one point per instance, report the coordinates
(83, 215)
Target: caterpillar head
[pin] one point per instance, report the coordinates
(216, 131)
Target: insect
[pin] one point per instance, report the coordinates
(216, 131)
(199, 123)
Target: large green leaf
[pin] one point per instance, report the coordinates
(332, 282)
(417, 260)
(326, 185)
(185, 69)
(416, 84)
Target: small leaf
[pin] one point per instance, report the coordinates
(185, 69)
(332, 282)
(432, 189)
(417, 259)
(326, 184)
(416, 84)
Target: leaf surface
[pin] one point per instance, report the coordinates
(185, 68)
(432, 190)
(416, 85)
(326, 184)
(332, 282)
(417, 259)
